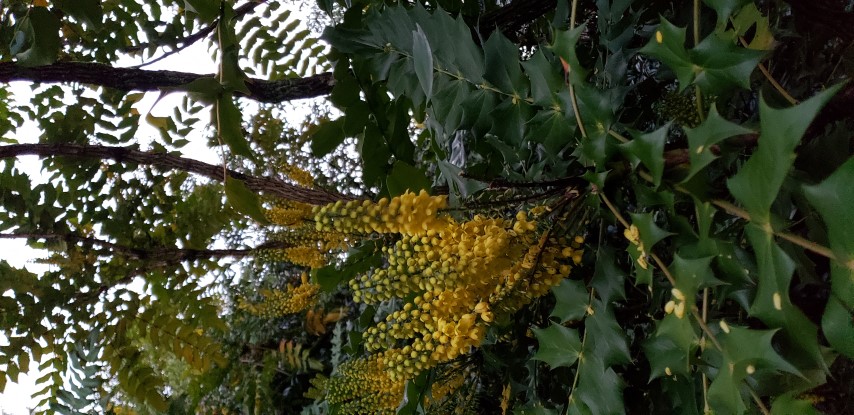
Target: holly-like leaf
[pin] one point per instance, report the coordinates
(713, 130)
(744, 352)
(40, 29)
(559, 345)
(724, 9)
(750, 17)
(723, 64)
(692, 275)
(772, 303)
(743, 346)
(757, 183)
(564, 48)
(649, 149)
(608, 278)
(833, 199)
(670, 349)
(715, 64)
(545, 79)
(571, 300)
(599, 389)
(422, 57)
(606, 340)
(668, 46)
(650, 233)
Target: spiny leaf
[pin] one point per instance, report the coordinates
(571, 300)
(750, 17)
(670, 349)
(725, 8)
(713, 130)
(599, 389)
(606, 340)
(564, 47)
(649, 149)
(559, 345)
(833, 198)
(772, 303)
(757, 183)
(715, 64)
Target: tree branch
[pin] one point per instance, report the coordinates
(267, 185)
(132, 79)
(159, 256)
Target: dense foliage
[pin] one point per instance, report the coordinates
(580, 207)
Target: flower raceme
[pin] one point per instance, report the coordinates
(461, 275)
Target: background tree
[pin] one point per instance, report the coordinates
(646, 208)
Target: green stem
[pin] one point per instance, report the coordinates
(572, 97)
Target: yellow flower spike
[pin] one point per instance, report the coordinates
(659, 37)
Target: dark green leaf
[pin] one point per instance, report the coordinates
(564, 48)
(571, 300)
(649, 148)
(757, 183)
(725, 8)
(208, 10)
(86, 11)
(41, 30)
(713, 130)
(327, 136)
(559, 345)
(403, 177)
(422, 57)
(671, 348)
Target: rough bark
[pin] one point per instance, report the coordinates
(132, 79)
(267, 185)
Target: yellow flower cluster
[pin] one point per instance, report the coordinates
(467, 272)
(407, 214)
(633, 235)
(677, 305)
(290, 214)
(306, 256)
(277, 303)
(298, 175)
(360, 386)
